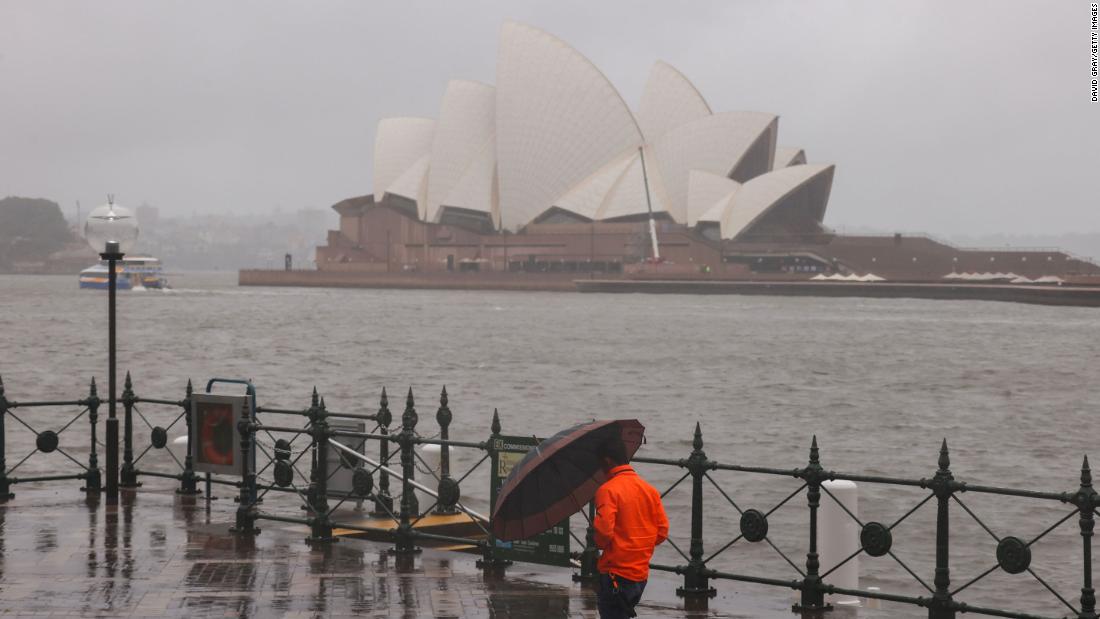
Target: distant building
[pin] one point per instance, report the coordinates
(550, 170)
(148, 216)
(554, 142)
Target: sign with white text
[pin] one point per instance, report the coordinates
(549, 547)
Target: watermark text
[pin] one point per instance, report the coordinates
(1095, 33)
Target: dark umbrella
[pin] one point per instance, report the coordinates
(558, 477)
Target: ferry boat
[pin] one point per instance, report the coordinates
(136, 273)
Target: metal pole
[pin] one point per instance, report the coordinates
(320, 527)
(246, 507)
(128, 474)
(112, 255)
(489, 561)
(409, 507)
(5, 485)
(812, 598)
(649, 207)
(443, 416)
(383, 502)
(188, 482)
(592, 249)
(92, 483)
(1087, 500)
(696, 590)
(943, 487)
(590, 555)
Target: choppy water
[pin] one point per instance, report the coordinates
(880, 382)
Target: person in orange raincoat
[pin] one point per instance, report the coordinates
(630, 522)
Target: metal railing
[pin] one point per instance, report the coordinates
(49, 441)
(1013, 555)
(282, 448)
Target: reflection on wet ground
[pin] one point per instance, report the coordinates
(161, 555)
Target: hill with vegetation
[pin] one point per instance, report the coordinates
(30, 230)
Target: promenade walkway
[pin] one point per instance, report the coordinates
(160, 555)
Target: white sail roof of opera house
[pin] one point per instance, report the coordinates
(707, 194)
(413, 182)
(464, 131)
(786, 157)
(587, 198)
(554, 136)
(628, 197)
(478, 185)
(738, 145)
(616, 190)
(730, 144)
(399, 143)
(558, 120)
(668, 101)
(804, 186)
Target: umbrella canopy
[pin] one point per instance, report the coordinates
(558, 477)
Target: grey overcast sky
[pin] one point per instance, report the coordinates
(946, 117)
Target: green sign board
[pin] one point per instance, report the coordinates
(550, 547)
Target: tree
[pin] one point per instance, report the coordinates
(31, 229)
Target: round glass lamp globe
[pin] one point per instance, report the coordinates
(111, 222)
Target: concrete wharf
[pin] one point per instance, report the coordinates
(158, 554)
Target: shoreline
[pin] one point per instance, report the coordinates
(1069, 296)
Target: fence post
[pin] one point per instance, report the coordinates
(1087, 501)
(311, 489)
(320, 525)
(943, 486)
(246, 501)
(383, 501)
(93, 482)
(489, 562)
(5, 485)
(813, 598)
(128, 476)
(696, 590)
(590, 555)
(443, 416)
(409, 508)
(188, 481)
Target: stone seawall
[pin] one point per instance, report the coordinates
(1083, 296)
(561, 282)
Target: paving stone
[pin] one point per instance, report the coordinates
(157, 554)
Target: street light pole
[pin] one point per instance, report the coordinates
(112, 255)
(111, 227)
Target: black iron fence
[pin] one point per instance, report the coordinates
(282, 448)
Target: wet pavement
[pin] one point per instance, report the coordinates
(161, 555)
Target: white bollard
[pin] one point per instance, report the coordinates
(874, 603)
(178, 447)
(431, 455)
(838, 538)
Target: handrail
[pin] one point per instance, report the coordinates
(392, 473)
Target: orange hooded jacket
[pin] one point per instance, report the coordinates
(630, 522)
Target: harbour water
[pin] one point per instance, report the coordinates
(880, 382)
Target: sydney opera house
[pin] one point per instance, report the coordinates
(549, 173)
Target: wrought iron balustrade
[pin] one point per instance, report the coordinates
(386, 451)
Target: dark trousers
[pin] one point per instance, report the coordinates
(610, 606)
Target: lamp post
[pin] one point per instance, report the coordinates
(112, 254)
(112, 228)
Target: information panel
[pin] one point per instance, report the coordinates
(550, 547)
(341, 466)
(217, 445)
